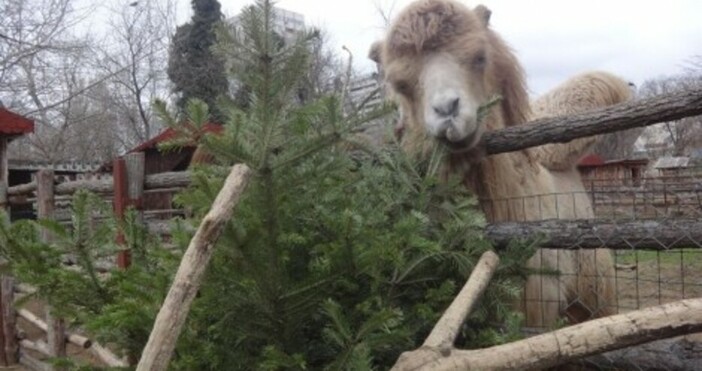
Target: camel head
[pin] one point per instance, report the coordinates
(441, 63)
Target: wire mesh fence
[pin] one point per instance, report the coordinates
(647, 270)
(641, 248)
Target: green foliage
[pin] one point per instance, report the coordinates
(331, 261)
(339, 257)
(117, 306)
(193, 68)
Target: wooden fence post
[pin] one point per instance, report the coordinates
(128, 177)
(4, 338)
(4, 199)
(9, 320)
(55, 333)
(119, 178)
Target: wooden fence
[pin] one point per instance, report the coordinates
(129, 187)
(648, 198)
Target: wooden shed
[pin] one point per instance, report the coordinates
(598, 172)
(671, 167)
(12, 126)
(157, 161)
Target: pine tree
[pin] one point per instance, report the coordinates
(114, 306)
(339, 256)
(192, 66)
(332, 261)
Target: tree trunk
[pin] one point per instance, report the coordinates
(568, 344)
(636, 113)
(444, 333)
(171, 318)
(590, 234)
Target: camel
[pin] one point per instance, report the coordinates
(441, 62)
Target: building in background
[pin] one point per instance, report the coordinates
(286, 23)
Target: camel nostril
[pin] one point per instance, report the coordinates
(449, 109)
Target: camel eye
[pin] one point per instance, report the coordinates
(479, 60)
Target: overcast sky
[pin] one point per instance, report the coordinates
(553, 38)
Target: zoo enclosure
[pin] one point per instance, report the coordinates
(150, 195)
(131, 187)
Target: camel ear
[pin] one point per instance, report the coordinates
(375, 52)
(484, 14)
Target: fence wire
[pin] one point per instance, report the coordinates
(641, 277)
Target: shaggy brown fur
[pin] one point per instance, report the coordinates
(511, 186)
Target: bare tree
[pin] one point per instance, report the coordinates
(88, 99)
(42, 70)
(684, 135)
(135, 54)
(619, 145)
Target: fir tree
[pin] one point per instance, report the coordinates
(114, 306)
(193, 68)
(331, 262)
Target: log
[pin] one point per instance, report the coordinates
(33, 363)
(568, 344)
(635, 113)
(678, 354)
(32, 318)
(37, 346)
(78, 340)
(22, 189)
(97, 186)
(176, 179)
(444, 333)
(24, 288)
(663, 234)
(171, 318)
(106, 356)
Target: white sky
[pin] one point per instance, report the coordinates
(553, 39)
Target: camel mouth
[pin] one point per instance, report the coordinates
(464, 144)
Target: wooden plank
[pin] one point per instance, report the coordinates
(107, 356)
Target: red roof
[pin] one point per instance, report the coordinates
(591, 160)
(14, 124)
(170, 134)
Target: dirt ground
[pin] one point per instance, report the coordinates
(648, 278)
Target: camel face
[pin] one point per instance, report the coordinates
(436, 62)
(441, 91)
(450, 99)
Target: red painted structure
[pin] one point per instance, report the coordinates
(12, 124)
